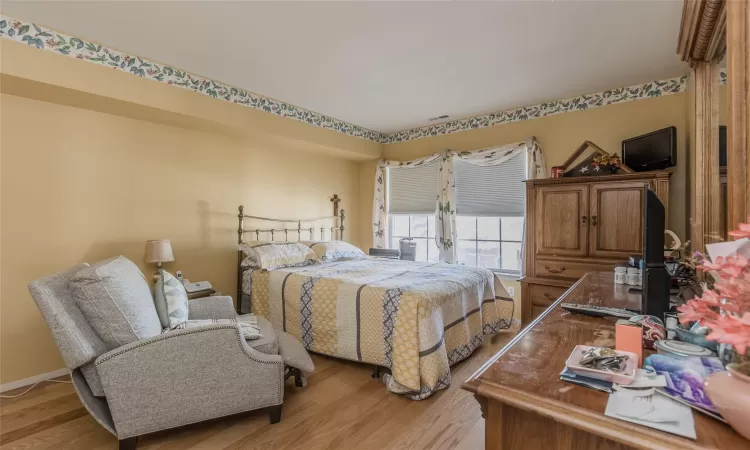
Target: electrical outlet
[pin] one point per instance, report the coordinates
(511, 291)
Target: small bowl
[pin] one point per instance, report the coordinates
(695, 339)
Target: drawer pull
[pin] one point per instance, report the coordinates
(550, 270)
(549, 297)
(593, 220)
(583, 220)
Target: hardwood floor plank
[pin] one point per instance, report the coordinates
(342, 407)
(41, 425)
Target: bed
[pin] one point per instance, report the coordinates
(413, 319)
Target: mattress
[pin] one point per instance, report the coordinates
(417, 319)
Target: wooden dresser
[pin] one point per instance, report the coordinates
(526, 406)
(581, 224)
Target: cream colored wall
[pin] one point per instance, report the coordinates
(93, 172)
(559, 136)
(93, 162)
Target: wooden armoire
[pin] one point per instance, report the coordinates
(576, 225)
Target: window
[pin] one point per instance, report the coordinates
(490, 206)
(490, 242)
(419, 227)
(411, 208)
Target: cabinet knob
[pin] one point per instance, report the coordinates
(548, 296)
(551, 270)
(583, 220)
(593, 220)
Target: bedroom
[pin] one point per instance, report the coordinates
(96, 162)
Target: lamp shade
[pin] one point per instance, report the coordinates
(159, 251)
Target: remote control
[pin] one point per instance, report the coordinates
(597, 311)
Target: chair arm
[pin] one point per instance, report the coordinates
(216, 307)
(187, 376)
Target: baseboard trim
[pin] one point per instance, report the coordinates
(35, 379)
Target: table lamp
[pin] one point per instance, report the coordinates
(159, 251)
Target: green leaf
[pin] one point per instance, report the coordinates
(36, 27)
(89, 46)
(131, 62)
(3, 23)
(23, 30)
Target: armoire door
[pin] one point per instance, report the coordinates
(616, 225)
(562, 220)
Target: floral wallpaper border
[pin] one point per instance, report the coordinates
(47, 39)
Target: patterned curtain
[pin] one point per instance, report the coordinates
(379, 212)
(445, 230)
(378, 207)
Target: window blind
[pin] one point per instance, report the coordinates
(413, 190)
(492, 190)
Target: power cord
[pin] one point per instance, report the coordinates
(33, 386)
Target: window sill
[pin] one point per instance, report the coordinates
(509, 276)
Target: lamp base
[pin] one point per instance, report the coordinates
(157, 274)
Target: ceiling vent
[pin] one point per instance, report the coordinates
(432, 119)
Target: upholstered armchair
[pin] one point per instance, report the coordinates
(166, 380)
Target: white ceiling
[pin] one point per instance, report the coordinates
(389, 66)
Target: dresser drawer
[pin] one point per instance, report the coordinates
(544, 296)
(567, 269)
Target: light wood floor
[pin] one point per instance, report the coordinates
(342, 407)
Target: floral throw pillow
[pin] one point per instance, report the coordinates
(335, 250)
(171, 300)
(276, 255)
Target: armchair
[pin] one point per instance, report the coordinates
(168, 380)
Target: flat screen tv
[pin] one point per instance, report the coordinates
(652, 151)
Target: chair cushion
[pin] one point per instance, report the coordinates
(294, 353)
(268, 343)
(76, 339)
(115, 298)
(170, 300)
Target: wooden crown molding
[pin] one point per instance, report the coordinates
(703, 30)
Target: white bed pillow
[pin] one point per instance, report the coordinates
(276, 255)
(335, 250)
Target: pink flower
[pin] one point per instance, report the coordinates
(726, 308)
(742, 231)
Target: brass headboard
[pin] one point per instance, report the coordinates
(305, 228)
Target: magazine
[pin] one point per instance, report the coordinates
(685, 378)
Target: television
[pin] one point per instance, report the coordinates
(655, 280)
(652, 151)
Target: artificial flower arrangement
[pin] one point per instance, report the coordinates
(612, 161)
(725, 307)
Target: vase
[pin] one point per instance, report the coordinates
(730, 392)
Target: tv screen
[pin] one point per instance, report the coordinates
(652, 151)
(723, 146)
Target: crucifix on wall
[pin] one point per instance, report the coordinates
(336, 200)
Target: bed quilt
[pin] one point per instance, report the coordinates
(417, 319)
